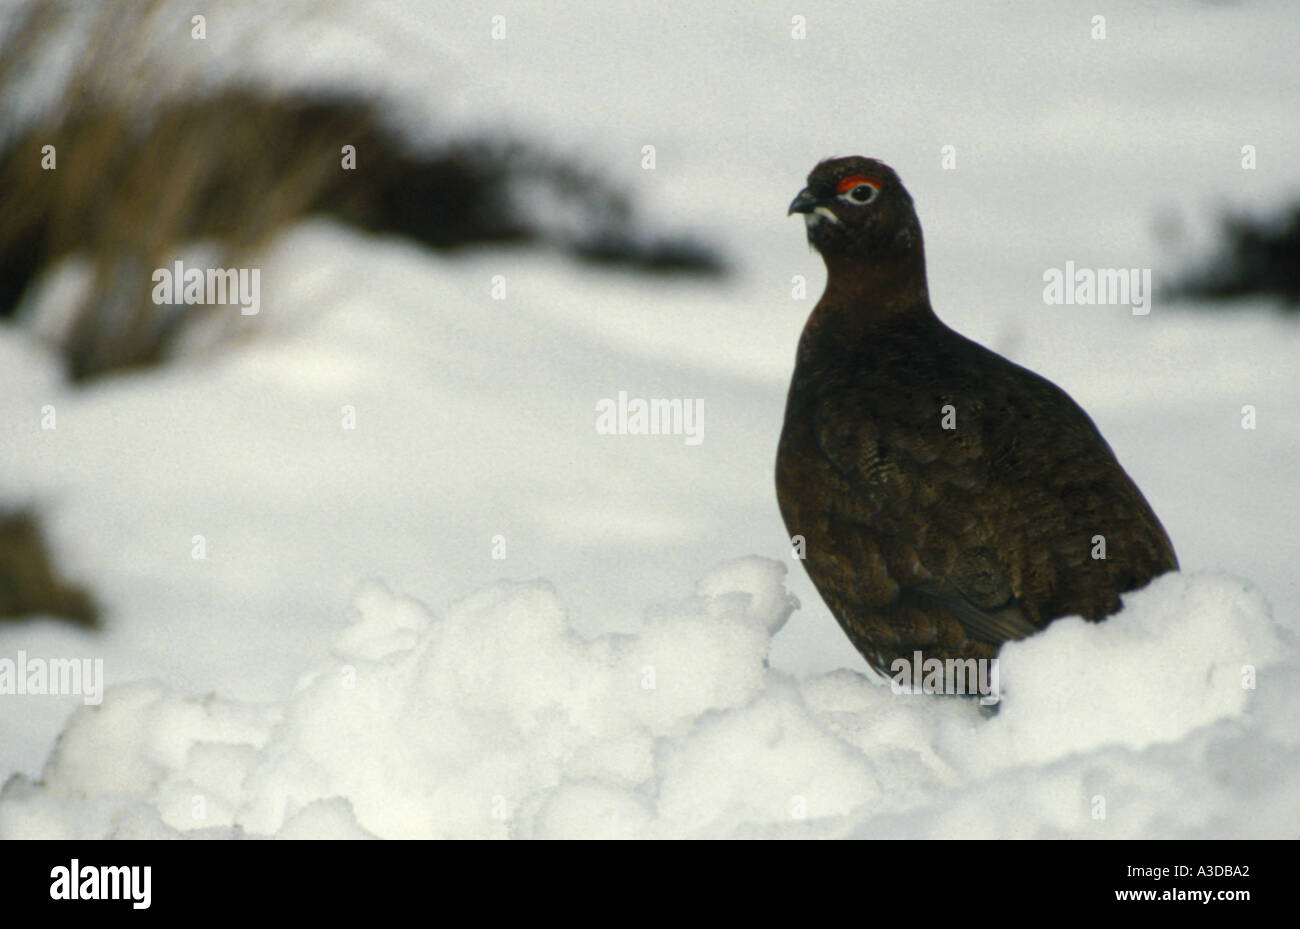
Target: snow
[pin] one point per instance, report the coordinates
(497, 718)
(508, 696)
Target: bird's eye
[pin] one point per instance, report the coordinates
(857, 189)
(863, 193)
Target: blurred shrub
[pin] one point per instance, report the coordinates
(28, 585)
(141, 173)
(1255, 256)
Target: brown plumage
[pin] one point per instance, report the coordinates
(948, 541)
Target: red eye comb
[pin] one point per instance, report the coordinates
(853, 180)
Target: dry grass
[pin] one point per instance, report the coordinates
(137, 178)
(140, 173)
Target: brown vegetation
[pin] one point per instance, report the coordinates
(28, 584)
(140, 173)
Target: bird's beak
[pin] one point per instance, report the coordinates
(804, 203)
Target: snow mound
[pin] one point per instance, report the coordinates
(497, 719)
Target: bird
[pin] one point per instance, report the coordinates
(943, 499)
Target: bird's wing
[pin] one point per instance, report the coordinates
(995, 625)
(894, 494)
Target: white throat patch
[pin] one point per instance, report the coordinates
(819, 215)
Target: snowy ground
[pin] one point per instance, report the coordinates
(497, 719)
(521, 706)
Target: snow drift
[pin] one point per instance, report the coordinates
(1174, 718)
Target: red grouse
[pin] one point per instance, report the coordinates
(948, 499)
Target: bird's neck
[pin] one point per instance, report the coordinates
(863, 293)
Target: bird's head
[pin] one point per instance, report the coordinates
(857, 208)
